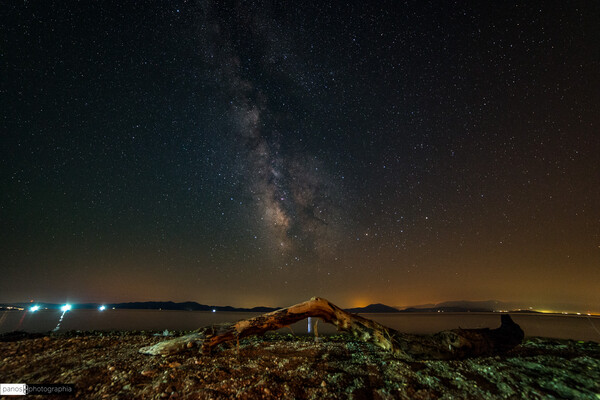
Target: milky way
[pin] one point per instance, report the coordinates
(293, 194)
(259, 153)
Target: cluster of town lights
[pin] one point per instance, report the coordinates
(64, 308)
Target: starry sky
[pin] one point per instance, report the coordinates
(260, 153)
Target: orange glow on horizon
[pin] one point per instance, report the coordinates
(360, 302)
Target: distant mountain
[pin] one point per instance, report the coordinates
(373, 308)
(428, 305)
(462, 306)
(145, 305)
(160, 305)
(444, 309)
(447, 306)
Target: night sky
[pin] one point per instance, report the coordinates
(249, 153)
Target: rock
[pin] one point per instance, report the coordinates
(352, 369)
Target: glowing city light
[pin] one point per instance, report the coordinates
(34, 308)
(64, 310)
(101, 308)
(214, 310)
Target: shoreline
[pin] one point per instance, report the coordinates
(534, 325)
(108, 365)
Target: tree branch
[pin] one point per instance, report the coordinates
(453, 344)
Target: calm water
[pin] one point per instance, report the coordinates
(556, 326)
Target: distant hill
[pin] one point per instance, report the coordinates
(462, 306)
(145, 305)
(444, 309)
(373, 308)
(185, 306)
(447, 306)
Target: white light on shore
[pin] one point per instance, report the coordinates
(65, 308)
(34, 308)
(101, 308)
(214, 310)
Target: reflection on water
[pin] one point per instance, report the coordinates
(557, 326)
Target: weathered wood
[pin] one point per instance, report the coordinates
(453, 344)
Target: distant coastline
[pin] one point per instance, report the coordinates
(449, 307)
(139, 305)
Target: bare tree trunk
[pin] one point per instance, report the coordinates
(445, 345)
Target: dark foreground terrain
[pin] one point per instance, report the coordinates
(107, 365)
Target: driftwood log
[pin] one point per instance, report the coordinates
(445, 345)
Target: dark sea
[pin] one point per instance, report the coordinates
(547, 325)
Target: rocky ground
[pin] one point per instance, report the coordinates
(107, 365)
